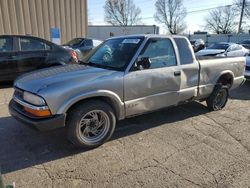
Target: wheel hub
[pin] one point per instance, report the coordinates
(94, 126)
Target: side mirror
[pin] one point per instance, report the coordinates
(143, 63)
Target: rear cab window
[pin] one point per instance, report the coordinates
(6, 44)
(185, 52)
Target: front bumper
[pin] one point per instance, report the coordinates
(42, 124)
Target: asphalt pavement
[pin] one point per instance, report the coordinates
(184, 146)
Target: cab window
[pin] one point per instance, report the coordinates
(29, 44)
(160, 52)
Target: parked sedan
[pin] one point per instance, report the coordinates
(223, 49)
(245, 43)
(83, 45)
(20, 54)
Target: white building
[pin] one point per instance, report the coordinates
(103, 32)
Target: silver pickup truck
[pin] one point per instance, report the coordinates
(123, 77)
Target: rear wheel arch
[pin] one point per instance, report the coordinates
(226, 79)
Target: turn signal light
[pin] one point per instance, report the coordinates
(38, 113)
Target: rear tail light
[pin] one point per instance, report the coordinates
(74, 55)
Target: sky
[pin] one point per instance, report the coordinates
(194, 19)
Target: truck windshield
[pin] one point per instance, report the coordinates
(114, 53)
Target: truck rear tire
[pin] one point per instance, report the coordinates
(218, 99)
(90, 123)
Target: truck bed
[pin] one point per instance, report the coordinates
(211, 68)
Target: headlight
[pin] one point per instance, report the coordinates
(33, 99)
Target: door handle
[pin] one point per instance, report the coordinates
(177, 73)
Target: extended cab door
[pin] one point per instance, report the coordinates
(32, 54)
(189, 68)
(8, 64)
(156, 86)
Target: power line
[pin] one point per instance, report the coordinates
(206, 9)
(199, 10)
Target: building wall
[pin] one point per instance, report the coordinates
(36, 17)
(103, 32)
(212, 38)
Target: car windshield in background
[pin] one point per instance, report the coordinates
(223, 46)
(245, 42)
(114, 53)
(74, 42)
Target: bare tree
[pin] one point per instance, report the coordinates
(121, 12)
(221, 20)
(172, 14)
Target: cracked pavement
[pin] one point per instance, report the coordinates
(184, 146)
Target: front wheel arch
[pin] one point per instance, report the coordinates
(105, 99)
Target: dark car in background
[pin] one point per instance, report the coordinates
(20, 54)
(245, 43)
(82, 45)
(197, 44)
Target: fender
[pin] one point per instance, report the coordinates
(116, 101)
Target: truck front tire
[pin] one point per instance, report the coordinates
(218, 99)
(90, 123)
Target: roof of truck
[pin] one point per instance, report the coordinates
(145, 36)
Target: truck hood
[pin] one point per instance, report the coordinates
(39, 80)
(209, 52)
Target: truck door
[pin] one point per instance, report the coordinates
(156, 86)
(8, 65)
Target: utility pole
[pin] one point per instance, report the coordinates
(241, 15)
